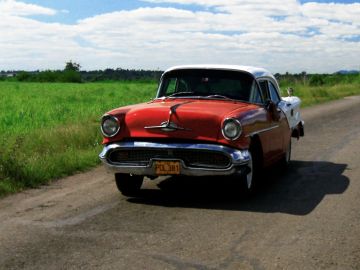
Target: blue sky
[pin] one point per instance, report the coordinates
(281, 35)
(80, 9)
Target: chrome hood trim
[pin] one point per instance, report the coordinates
(169, 126)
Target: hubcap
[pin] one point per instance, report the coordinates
(249, 176)
(288, 153)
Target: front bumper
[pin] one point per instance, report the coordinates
(238, 158)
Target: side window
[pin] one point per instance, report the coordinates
(255, 96)
(264, 90)
(273, 93)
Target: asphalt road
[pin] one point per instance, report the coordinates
(305, 218)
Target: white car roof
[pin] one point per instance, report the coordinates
(257, 72)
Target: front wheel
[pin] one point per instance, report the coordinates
(128, 184)
(287, 156)
(250, 178)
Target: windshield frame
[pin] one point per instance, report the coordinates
(160, 91)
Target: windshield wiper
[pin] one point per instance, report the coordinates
(218, 96)
(184, 93)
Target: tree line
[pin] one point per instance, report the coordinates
(72, 73)
(341, 77)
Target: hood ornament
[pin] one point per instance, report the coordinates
(168, 125)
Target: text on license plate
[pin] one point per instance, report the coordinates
(167, 167)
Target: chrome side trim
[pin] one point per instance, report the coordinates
(261, 131)
(239, 158)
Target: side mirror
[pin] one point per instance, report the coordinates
(272, 109)
(269, 104)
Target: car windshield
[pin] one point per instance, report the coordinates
(212, 84)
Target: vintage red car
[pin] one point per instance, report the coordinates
(205, 120)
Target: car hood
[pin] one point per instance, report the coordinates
(189, 118)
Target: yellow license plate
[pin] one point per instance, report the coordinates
(167, 167)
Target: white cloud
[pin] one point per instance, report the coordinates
(281, 36)
(12, 7)
(347, 13)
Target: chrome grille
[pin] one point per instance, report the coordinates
(191, 158)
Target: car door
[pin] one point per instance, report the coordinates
(280, 133)
(273, 137)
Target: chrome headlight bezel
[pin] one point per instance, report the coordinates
(115, 120)
(235, 124)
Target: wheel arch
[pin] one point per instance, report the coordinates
(256, 147)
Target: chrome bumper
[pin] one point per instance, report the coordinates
(239, 158)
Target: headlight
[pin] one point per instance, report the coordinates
(231, 129)
(109, 125)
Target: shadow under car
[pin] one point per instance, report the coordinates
(297, 190)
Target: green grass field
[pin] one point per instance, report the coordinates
(319, 94)
(50, 130)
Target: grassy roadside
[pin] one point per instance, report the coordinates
(320, 94)
(50, 130)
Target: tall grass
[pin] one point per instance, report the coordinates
(311, 95)
(52, 130)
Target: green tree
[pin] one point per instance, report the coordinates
(72, 66)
